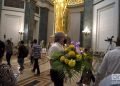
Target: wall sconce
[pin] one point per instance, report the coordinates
(86, 31)
(21, 31)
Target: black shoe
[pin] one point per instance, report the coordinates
(33, 71)
(20, 69)
(79, 83)
(37, 75)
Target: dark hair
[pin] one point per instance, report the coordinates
(21, 42)
(35, 41)
(67, 40)
(8, 41)
(118, 41)
(58, 36)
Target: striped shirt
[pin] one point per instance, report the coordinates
(36, 51)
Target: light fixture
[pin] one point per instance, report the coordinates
(86, 31)
(21, 31)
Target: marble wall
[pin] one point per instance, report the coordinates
(0, 10)
(50, 29)
(119, 17)
(88, 19)
(26, 21)
(29, 21)
(43, 24)
(74, 24)
(0, 6)
(105, 24)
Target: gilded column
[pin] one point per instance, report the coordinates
(60, 7)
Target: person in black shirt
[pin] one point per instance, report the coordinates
(2, 48)
(21, 55)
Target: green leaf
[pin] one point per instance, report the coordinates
(56, 55)
(57, 65)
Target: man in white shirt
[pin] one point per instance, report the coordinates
(110, 64)
(56, 46)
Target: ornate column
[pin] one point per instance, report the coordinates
(119, 18)
(81, 28)
(0, 6)
(0, 10)
(88, 21)
(43, 24)
(29, 19)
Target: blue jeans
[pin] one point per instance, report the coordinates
(21, 63)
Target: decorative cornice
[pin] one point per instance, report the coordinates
(48, 4)
(71, 6)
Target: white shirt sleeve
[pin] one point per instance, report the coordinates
(102, 69)
(51, 51)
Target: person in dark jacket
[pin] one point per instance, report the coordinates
(21, 55)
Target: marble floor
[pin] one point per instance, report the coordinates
(29, 79)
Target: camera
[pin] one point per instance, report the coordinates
(110, 39)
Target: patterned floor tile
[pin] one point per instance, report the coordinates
(42, 80)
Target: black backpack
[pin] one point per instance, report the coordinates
(25, 51)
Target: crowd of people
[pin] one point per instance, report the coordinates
(110, 64)
(7, 76)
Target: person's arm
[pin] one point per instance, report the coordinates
(102, 70)
(19, 50)
(51, 51)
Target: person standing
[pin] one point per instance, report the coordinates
(21, 55)
(110, 64)
(36, 55)
(9, 51)
(58, 45)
